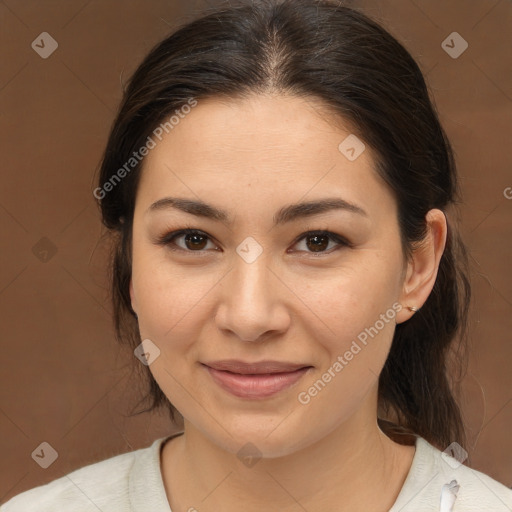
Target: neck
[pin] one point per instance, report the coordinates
(354, 467)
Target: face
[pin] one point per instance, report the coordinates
(255, 281)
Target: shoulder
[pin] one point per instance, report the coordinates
(476, 490)
(103, 485)
(439, 482)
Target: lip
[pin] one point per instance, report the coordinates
(266, 380)
(241, 367)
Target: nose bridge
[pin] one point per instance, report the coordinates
(250, 284)
(249, 305)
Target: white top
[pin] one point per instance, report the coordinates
(132, 482)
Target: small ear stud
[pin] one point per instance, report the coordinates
(413, 308)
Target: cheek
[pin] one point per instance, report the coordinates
(359, 324)
(352, 328)
(172, 302)
(341, 303)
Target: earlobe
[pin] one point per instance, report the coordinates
(422, 269)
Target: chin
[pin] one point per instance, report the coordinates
(259, 438)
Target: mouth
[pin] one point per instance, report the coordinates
(255, 380)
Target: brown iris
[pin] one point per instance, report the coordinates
(196, 241)
(320, 242)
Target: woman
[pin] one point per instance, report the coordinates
(287, 272)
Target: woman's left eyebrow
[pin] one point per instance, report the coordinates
(288, 213)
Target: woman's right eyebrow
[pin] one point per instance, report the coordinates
(288, 213)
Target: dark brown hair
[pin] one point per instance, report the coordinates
(335, 54)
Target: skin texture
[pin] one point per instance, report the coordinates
(251, 157)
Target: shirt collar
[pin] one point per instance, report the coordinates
(146, 486)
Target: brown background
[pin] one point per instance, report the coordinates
(63, 378)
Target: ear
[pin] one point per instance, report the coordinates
(422, 269)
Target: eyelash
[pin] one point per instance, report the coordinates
(166, 240)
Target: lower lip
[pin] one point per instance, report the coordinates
(256, 386)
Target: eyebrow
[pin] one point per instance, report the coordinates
(288, 213)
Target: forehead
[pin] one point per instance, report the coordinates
(259, 147)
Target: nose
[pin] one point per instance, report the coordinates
(252, 301)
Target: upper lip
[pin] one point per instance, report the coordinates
(236, 366)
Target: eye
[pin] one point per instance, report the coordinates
(192, 240)
(318, 241)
